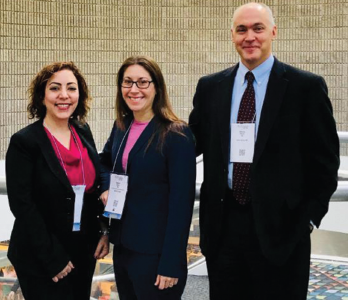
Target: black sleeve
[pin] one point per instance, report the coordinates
(196, 116)
(323, 150)
(29, 224)
(181, 162)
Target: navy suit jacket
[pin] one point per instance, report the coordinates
(160, 197)
(296, 157)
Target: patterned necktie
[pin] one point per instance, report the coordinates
(241, 171)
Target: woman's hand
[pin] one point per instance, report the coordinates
(104, 197)
(64, 272)
(164, 282)
(102, 248)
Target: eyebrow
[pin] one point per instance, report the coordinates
(60, 83)
(127, 77)
(253, 25)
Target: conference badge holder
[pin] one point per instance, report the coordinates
(242, 141)
(79, 191)
(117, 196)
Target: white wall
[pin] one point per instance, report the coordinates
(6, 219)
(336, 219)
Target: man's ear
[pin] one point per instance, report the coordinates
(232, 35)
(274, 32)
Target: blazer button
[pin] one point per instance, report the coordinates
(222, 200)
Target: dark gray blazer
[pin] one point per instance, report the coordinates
(296, 158)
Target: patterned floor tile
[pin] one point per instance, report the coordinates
(328, 281)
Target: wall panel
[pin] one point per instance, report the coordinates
(187, 38)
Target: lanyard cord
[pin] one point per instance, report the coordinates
(60, 156)
(118, 151)
(78, 147)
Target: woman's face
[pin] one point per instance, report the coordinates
(61, 95)
(139, 100)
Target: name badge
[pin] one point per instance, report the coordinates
(242, 142)
(117, 196)
(79, 191)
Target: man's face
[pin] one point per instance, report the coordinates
(252, 34)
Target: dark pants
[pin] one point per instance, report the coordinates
(136, 274)
(75, 286)
(240, 271)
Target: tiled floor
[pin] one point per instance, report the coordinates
(328, 281)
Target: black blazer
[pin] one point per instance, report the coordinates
(160, 197)
(42, 201)
(296, 158)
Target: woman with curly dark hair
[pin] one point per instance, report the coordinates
(153, 150)
(52, 172)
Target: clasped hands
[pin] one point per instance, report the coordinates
(101, 251)
(69, 267)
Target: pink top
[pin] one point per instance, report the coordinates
(134, 133)
(72, 160)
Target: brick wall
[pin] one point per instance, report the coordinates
(187, 38)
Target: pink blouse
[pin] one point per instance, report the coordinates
(134, 133)
(72, 160)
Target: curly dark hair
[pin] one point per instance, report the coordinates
(37, 87)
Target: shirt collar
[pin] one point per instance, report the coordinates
(261, 72)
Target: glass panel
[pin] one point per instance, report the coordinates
(9, 287)
(193, 250)
(104, 286)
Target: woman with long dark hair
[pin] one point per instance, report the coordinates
(148, 184)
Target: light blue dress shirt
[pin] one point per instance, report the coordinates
(261, 74)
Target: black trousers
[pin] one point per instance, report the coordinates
(239, 271)
(136, 274)
(75, 286)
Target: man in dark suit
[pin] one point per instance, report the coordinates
(271, 155)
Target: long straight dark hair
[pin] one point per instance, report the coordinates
(162, 109)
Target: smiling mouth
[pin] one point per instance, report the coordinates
(135, 98)
(251, 47)
(62, 105)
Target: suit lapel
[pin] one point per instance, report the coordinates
(49, 154)
(273, 99)
(224, 97)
